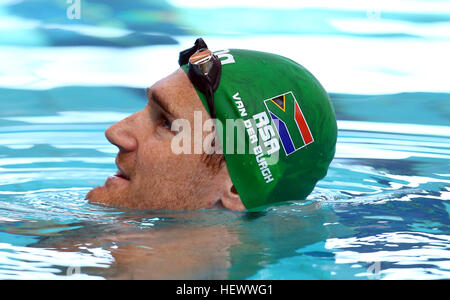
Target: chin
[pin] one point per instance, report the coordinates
(101, 195)
(97, 195)
(114, 192)
(109, 196)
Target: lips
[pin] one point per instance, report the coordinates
(119, 179)
(122, 174)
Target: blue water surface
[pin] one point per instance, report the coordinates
(382, 212)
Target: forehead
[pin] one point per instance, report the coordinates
(177, 94)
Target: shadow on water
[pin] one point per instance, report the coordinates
(211, 244)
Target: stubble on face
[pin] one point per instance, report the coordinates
(158, 178)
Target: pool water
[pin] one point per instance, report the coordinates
(382, 212)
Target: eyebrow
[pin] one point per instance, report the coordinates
(151, 96)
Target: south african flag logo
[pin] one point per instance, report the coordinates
(290, 122)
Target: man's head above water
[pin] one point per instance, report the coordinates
(281, 116)
(150, 175)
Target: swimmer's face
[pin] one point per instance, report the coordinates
(150, 175)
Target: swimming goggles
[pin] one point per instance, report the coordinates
(204, 70)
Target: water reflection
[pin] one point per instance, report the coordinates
(353, 219)
(401, 255)
(379, 213)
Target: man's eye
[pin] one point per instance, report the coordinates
(165, 123)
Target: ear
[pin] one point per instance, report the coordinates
(232, 200)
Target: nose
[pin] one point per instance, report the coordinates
(121, 134)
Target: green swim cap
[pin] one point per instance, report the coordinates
(286, 118)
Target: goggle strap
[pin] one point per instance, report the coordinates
(210, 99)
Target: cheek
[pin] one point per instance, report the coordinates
(160, 165)
(152, 156)
(167, 180)
(158, 169)
(167, 173)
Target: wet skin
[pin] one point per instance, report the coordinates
(150, 175)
